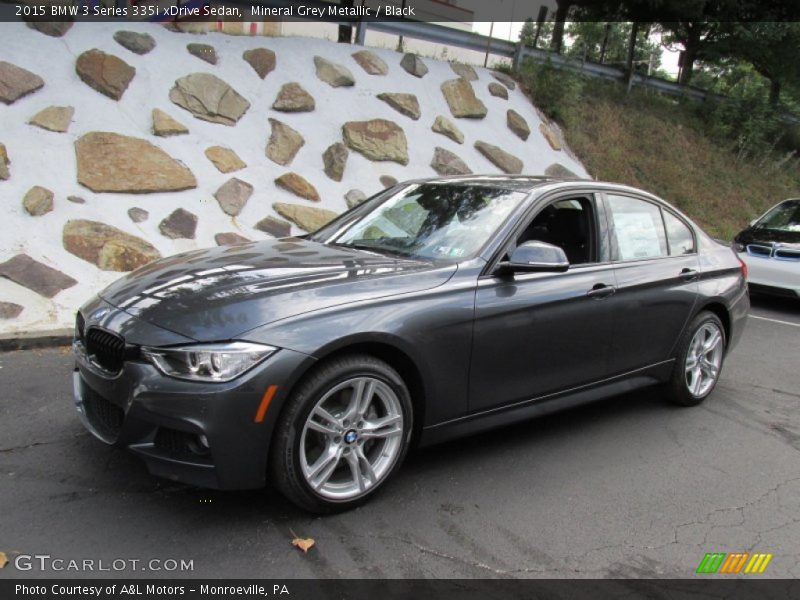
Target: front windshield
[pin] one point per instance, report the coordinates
(784, 217)
(430, 220)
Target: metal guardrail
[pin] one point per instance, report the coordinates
(609, 72)
(432, 32)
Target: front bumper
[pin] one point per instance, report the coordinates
(770, 274)
(162, 419)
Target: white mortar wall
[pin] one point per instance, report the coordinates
(45, 158)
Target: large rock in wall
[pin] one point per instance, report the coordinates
(110, 162)
(377, 139)
(107, 247)
(35, 276)
(261, 59)
(209, 98)
(371, 63)
(16, 82)
(307, 218)
(54, 118)
(505, 161)
(138, 43)
(106, 73)
(462, 99)
(284, 143)
(4, 162)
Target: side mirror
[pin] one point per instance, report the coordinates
(535, 256)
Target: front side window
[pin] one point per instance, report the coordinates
(681, 240)
(638, 228)
(431, 220)
(568, 224)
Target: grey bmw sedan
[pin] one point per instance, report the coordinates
(435, 309)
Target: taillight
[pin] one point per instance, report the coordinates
(743, 267)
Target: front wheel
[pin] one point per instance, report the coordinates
(344, 432)
(698, 363)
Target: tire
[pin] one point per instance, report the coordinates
(692, 379)
(365, 441)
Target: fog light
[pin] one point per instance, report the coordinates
(197, 444)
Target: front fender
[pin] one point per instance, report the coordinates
(432, 328)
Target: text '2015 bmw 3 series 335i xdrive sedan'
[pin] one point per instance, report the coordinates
(435, 309)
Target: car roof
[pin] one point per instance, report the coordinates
(543, 184)
(522, 183)
(529, 183)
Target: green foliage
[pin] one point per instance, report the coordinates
(528, 32)
(587, 40)
(749, 65)
(551, 89)
(653, 142)
(723, 160)
(527, 35)
(744, 117)
(545, 35)
(505, 67)
(770, 47)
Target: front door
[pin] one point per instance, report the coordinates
(538, 333)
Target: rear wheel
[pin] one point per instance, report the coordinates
(699, 361)
(344, 432)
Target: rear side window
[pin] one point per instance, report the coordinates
(681, 240)
(638, 228)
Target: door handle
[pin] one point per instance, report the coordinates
(689, 274)
(601, 290)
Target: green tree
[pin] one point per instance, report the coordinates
(563, 8)
(742, 113)
(528, 32)
(608, 43)
(699, 28)
(771, 48)
(587, 12)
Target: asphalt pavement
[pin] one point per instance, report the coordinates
(629, 487)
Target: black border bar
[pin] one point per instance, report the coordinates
(353, 11)
(717, 587)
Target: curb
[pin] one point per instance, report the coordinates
(39, 339)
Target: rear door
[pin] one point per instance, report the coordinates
(656, 268)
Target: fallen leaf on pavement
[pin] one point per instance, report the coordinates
(305, 544)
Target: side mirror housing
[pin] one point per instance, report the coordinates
(535, 256)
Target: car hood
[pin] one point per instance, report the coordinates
(219, 293)
(767, 236)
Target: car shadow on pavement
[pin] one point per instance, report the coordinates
(518, 437)
(790, 306)
(120, 472)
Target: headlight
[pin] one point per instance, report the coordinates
(208, 362)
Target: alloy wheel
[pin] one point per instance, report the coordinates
(351, 438)
(704, 359)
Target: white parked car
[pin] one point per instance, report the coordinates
(770, 247)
